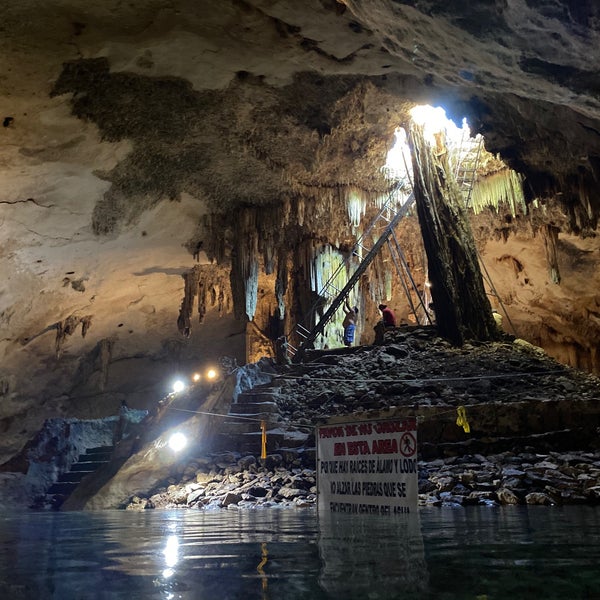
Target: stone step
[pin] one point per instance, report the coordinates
(88, 465)
(252, 408)
(306, 456)
(248, 442)
(95, 457)
(73, 476)
(64, 488)
(257, 396)
(296, 439)
(240, 427)
(99, 450)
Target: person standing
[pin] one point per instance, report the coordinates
(349, 323)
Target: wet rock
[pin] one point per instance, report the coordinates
(257, 491)
(444, 484)
(231, 498)
(538, 498)
(138, 503)
(477, 497)
(194, 496)
(426, 486)
(273, 461)
(506, 496)
(289, 492)
(512, 472)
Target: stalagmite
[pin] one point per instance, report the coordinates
(461, 306)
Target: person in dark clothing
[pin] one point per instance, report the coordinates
(349, 323)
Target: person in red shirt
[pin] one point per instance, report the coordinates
(389, 318)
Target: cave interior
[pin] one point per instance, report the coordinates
(180, 180)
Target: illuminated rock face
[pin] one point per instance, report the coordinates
(145, 140)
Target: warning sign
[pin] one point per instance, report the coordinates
(368, 467)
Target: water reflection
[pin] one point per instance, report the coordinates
(515, 552)
(372, 557)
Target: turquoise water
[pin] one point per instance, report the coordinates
(478, 553)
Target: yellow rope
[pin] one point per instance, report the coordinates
(462, 421)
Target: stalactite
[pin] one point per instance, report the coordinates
(270, 225)
(504, 186)
(356, 205)
(329, 275)
(301, 206)
(269, 257)
(105, 349)
(388, 284)
(215, 244)
(190, 279)
(550, 237)
(209, 284)
(202, 294)
(64, 329)
(86, 323)
(281, 282)
(244, 264)
(377, 277)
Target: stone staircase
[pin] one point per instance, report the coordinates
(87, 463)
(241, 429)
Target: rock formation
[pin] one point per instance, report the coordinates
(185, 168)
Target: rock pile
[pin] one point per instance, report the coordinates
(526, 478)
(416, 367)
(230, 481)
(550, 455)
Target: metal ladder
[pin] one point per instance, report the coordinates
(339, 296)
(406, 279)
(465, 171)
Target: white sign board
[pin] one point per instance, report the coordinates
(368, 467)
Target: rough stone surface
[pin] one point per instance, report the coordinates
(143, 140)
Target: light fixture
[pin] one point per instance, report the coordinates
(178, 386)
(211, 374)
(196, 377)
(177, 442)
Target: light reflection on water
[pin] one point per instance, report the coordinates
(474, 553)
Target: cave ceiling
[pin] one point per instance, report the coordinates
(136, 133)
